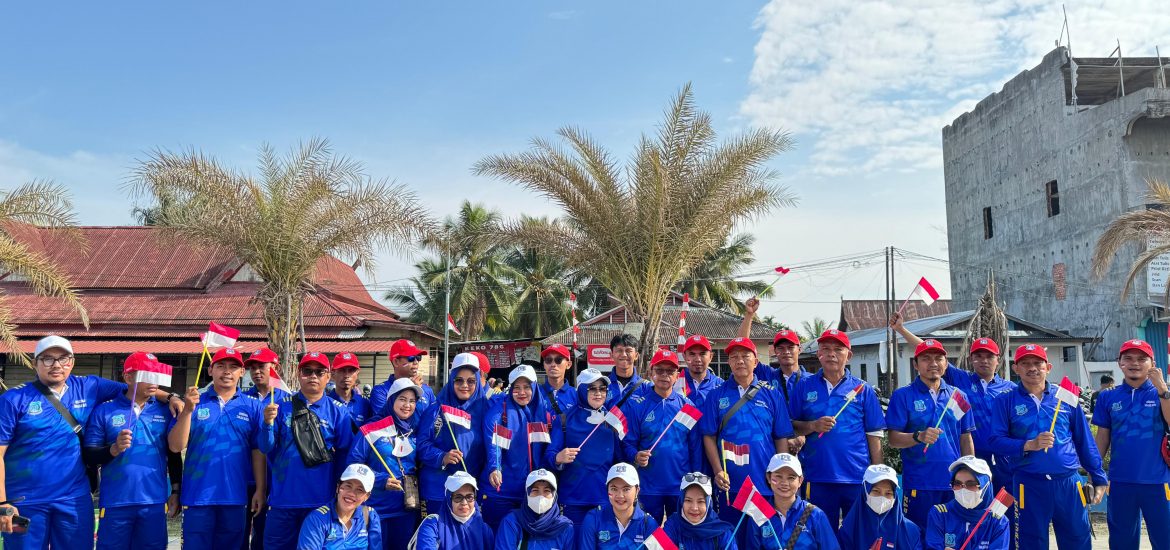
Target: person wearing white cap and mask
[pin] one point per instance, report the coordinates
(457, 525)
(620, 524)
(949, 524)
(516, 429)
(35, 438)
(696, 526)
(797, 523)
(876, 515)
(582, 469)
(347, 524)
(539, 525)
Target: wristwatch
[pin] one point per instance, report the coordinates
(916, 438)
(1165, 394)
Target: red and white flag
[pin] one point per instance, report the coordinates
(877, 544)
(1002, 502)
(1068, 393)
(457, 416)
(680, 383)
(153, 372)
(958, 405)
(749, 501)
(737, 454)
(688, 416)
(617, 420)
(502, 437)
(220, 336)
(925, 292)
(275, 382)
(538, 433)
(377, 430)
(658, 540)
(682, 319)
(451, 326)
(853, 393)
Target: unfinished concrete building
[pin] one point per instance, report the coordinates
(1033, 176)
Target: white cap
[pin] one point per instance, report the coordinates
(458, 480)
(404, 384)
(589, 376)
(541, 475)
(360, 472)
(785, 460)
(703, 481)
(465, 360)
(522, 371)
(977, 465)
(880, 472)
(626, 472)
(50, 342)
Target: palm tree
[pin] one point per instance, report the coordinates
(713, 282)
(43, 204)
(423, 302)
(1148, 227)
(299, 209)
(813, 329)
(639, 229)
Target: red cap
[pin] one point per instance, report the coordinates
(557, 349)
(1032, 350)
(744, 343)
(262, 355)
(139, 360)
(345, 359)
(484, 366)
(1140, 345)
(788, 335)
(928, 346)
(404, 348)
(836, 336)
(697, 340)
(985, 344)
(314, 357)
(664, 356)
(229, 354)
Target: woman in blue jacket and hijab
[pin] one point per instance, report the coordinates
(949, 524)
(582, 468)
(516, 430)
(449, 438)
(876, 515)
(696, 525)
(457, 524)
(539, 525)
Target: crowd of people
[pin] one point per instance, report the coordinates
(610, 461)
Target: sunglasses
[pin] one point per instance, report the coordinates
(598, 389)
(464, 381)
(413, 358)
(696, 478)
(553, 360)
(972, 485)
(460, 499)
(314, 373)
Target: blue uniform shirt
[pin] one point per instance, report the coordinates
(380, 393)
(40, 441)
(599, 530)
(617, 390)
(566, 397)
(1133, 417)
(218, 464)
(360, 410)
(322, 530)
(679, 451)
(948, 525)
(913, 409)
(511, 532)
(757, 424)
(842, 455)
(816, 535)
(137, 476)
(434, 441)
(294, 485)
(521, 457)
(387, 503)
(582, 482)
(698, 393)
(281, 395)
(774, 377)
(980, 395)
(1016, 418)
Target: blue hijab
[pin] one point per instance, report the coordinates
(536, 409)
(455, 534)
(474, 404)
(546, 525)
(408, 425)
(862, 526)
(710, 528)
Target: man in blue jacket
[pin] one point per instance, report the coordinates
(1048, 487)
(698, 377)
(405, 357)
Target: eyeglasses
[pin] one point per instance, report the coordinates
(696, 478)
(49, 361)
(313, 373)
(663, 372)
(598, 389)
(553, 360)
(413, 358)
(972, 485)
(460, 499)
(464, 381)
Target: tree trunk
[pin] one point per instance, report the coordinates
(282, 314)
(648, 340)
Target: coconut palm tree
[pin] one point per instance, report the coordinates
(423, 302)
(640, 228)
(813, 329)
(297, 210)
(43, 204)
(713, 282)
(1149, 228)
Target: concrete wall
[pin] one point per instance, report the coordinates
(1002, 153)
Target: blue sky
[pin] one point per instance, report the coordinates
(420, 91)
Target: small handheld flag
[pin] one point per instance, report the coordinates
(617, 420)
(538, 433)
(739, 455)
(220, 336)
(658, 540)
(849, 397)
(502, 437)
(998, 508)
(749, 501)
(458, 416)
(275, 382)
(1066, 394)
(377, 430)
(957, 405)
(924, 291)
(688, 416)
(153, 373)
(451, 326)
(780, 271)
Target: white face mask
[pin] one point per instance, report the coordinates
(540, 504)
(879, 504)
(969, 499)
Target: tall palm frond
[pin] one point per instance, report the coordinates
(713, 281)
(811, 330)
(1149, 228)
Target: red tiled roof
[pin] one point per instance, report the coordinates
(192, 347)
(867, 314)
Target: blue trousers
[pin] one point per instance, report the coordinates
(916, 504)
(213, 527)
(282, 527)
(1051, 499)
(398, 530)
(133, 528)
(577, 512)
(495, 508)
(1128, 504)
(834, 498)
(57, 524)
(254, 526)
(659, 507)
